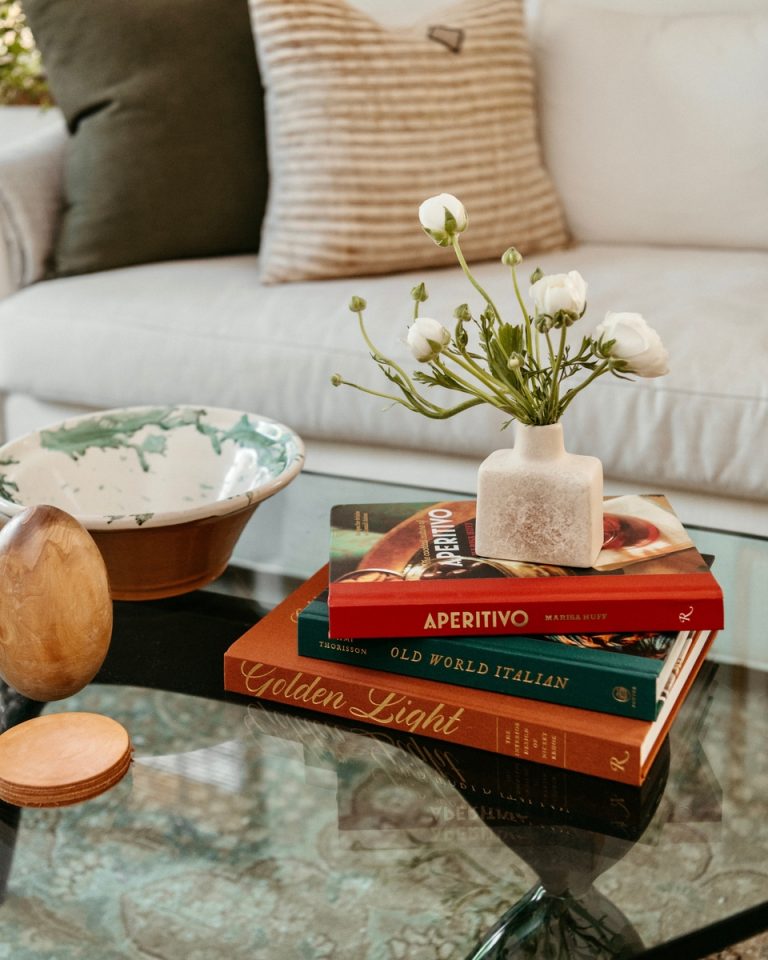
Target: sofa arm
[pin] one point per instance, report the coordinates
(31, 183)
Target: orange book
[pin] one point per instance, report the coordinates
(264, 663)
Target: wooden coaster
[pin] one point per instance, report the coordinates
(62, 758)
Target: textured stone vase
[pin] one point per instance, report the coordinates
(538, 503)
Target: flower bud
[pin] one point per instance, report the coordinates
(463, 313)
(515, 362)
(336, 380)
(427, 338)
(511, 257)
(635, 346)
(537, 274)
(357, 304)
(442, 217)
(419, 293)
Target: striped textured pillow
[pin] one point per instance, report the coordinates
(365, 122)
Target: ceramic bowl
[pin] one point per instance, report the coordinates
(164, 491)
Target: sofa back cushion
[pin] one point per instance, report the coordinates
(166, 156)
(653, 119)
(366, 120)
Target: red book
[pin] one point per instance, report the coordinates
(411, 570)
(264, 663)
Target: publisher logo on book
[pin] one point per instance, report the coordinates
(622, 694)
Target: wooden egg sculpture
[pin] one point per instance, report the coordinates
(55, 605)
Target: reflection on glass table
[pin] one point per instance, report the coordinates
(253, 832)
(270, 833)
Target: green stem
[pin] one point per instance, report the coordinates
(556, 360)
(433, 412)
(481, 375)
(524, 389)
(474, 368)
(526, 315)
(498, 398)
(536, 349)
(550, 350)
(381, 359)
(603, 368)
(452, 411)
(468, 273)
(465, 360)
(527, 402)
(378, 393)
(517, 374)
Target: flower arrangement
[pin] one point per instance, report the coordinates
(520, 368)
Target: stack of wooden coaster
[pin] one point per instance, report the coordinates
(62, 758)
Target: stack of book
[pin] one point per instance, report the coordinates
(408, 629)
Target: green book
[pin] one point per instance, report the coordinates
(627, 674)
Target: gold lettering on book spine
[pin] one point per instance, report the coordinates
(619, 763)
(397, 710)
(261, 681)
(477, 620)
(386, 708)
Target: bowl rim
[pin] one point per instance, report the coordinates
(129, 521)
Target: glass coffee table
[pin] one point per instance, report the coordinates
(244, 830)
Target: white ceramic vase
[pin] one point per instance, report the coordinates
(538, 503)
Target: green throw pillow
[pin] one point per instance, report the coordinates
(167, 153)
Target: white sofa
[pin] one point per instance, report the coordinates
(663, 177)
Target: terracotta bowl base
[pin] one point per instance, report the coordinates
(148, 563)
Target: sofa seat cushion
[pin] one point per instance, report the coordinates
(206, 331)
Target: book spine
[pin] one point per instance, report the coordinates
(534, 675)
(348, 698)
(470, 615)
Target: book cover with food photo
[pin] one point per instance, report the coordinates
(410, 570)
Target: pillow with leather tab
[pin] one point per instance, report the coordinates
(365, 121)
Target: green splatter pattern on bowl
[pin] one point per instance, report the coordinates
(150, 466)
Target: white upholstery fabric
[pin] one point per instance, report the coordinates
(30, 190)
(653, 121)
(454, 472)
(208, 332)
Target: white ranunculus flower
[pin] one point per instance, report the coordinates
(560, 291)
(637, 344)
(442, 217)
(426, 338)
